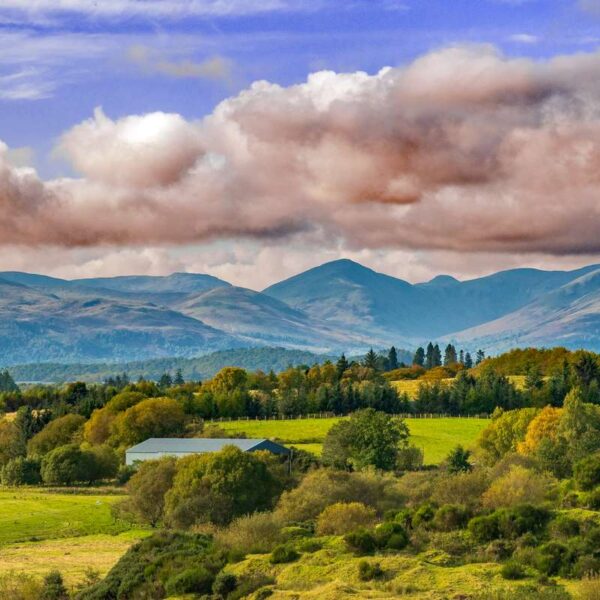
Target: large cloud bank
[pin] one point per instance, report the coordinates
(463, 149)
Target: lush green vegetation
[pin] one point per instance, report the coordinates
(435, 437)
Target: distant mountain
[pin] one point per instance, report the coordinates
(201, 368)
(338, 306)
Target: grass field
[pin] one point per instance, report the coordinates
(436, 437)
(42, 530)
(411, 386)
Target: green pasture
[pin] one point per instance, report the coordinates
(436, 437)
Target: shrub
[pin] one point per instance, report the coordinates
(484, 528)
(342, 517)
(450, 517)
(512, 570)
(553, 558)
(518, 486)
(368, 571)
(54, 587)
(66, 465)
(21, 471)
(586, 566)
(253, 534)
(517, 521)
(587, 472)
(361, 541)
(409, 459)
(197, 580)
(457, 461)
(224, 584)
(464, 488)
(125, 473)
(391, 536)
(593, 499)
(283, 554)
(424, 514)
(565, 526)
(20, 586)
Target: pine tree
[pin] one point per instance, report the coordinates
(165, 381)
(419, 357)
(479, 356)
(461, 357)
(468, 361)
(429, 356)
(437, 356)
(341, 366)
(371, 359)
(179, 380)
(450, 355)
(392, 359)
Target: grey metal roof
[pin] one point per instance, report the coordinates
(198, 445)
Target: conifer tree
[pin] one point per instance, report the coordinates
(392, 359)
(341, 366)
(179, 380)
(419, 357)
(437, 356)
(371, 359)
(461, 357)
(450, 355)
(479, 356)
(468, 361)
(429, 356)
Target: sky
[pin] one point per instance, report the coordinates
(253, 139)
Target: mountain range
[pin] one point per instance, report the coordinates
(338, 306)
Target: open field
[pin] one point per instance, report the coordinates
(435, 436)
(43, 529)
(411, 386)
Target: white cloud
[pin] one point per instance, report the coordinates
(524, 38)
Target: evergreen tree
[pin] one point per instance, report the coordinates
(461, 357)
(179, 380)
(165, 381)
(468, 361)
(458, 460)
(341, 366)
(479, 356)
(7, 383)
(450, 357)
(429, 356)
(392, 359)
(533, 378)
(437, 356)
(371, 360)
(419, 357)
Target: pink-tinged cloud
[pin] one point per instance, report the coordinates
(462, 150)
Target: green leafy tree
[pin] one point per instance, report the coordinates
(220, 486)
(59, 432)
(12, 441)
(458, 460)
(66, 465)
(368, 439)
(21, 471)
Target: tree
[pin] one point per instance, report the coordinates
(165, 381)
(545, 425)
(371, 360)
(220, 486)
(21, 471)
(587, 472)
(179, 380)
(147, 489)
(12, 442)
(419, 357)
(7, 383)
(392, 359)
(155, 417)
(54, 587)
(341, 366)
(429, 357)
(468, 361)
(66, 465)
(533, 378)
(461, 357)
(458, 461)
(59, 432)
(437, 356)
(450, 357)
(479, 357)
(368, 438)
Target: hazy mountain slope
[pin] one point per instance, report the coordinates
(358, 298)
(568, 316)
(256, 316)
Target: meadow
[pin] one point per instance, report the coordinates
(43, 529)
(436, 437)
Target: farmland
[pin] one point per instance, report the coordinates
(436, 437)
(73, 532)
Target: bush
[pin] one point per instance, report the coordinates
(450, 517)
(197, 580)
(342, 517)
(464, 489)
(391, 536)
(283, 554)
(253, 534)
(409, 459)
(125, 473)
(224, 584)
(54, 587)
(553, 558)
(586, 566)
(361, 541)
(66, 465)
(593, 499)
(513, 570)
(21, 471)
(368, 571)
(564, 526)
(20, 586)
(484, 528)
(587, 472)
(424, 514)
(518, 486)
(517, 521)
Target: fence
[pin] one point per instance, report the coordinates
(326, 415)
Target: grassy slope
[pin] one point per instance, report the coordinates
(411, 386)
(435, 436)
(41, 530)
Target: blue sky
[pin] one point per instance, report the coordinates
(60, 59)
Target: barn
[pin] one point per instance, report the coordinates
(154, 448)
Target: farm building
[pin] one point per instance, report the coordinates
(154, 448)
